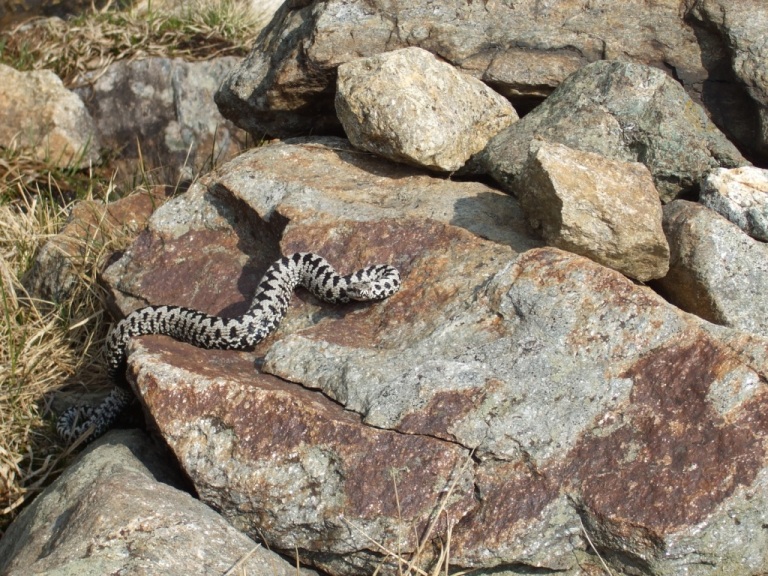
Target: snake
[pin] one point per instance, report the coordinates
(265, 311)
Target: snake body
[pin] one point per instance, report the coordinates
(267, 309)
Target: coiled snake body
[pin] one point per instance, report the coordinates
(265, 312)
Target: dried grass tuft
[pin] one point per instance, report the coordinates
(197, 30)
(43, 346)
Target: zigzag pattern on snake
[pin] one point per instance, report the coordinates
(267, 308)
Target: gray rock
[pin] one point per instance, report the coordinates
(166, 107)
(605, 210)
(522, 49)
(626, 112)
(410, 107)
(115, 511)
(38, 113)
(716, 271)
(741, 195)
(588, 402)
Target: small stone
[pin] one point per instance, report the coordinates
(741, 195)
(604, 209)
(37, 112)
(716, 270)
(410, 107)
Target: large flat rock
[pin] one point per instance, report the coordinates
(510, 399)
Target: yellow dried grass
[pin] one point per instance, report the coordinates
(197, 30)
(43, 346)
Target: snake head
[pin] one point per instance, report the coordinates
(360, 291)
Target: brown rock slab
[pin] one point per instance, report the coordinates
(298, 468)
(587, 403)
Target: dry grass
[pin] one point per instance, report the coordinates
(196, 30)
(45, 347)
(27, 366)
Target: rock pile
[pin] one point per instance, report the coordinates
(525, 403)
(524, 50)
(153, 116)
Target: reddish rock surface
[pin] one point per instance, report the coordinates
(535, 394)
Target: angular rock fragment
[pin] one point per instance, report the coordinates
(115, 511)
(716, 271)
(603, 209)
(741, 195)
(38, 113)
(626, 112)
(410, 107)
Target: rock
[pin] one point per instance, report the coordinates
(627, 112)
(605, 210)
(410, 107)
(38, 113)
(508, 400)
(116, 511)
(295, 174)
(716, 271)
(165, 106)
(92, 226)
(736, 50)
(741, 195)
(522, 49)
